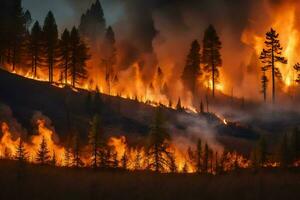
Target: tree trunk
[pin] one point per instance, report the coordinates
(66, 72)
(273, 76)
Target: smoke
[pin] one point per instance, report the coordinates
(196, 128)
(6, 116)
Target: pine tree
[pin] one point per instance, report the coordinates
(138, 160)
(211, 56)
(16, 32)
(271, 55)
(94, 140)
(159, 139)
(21, 153)
(35, 48)
(92, 23)
(199, 156)
(78, 58)
(50, 33)
(65, 55)
(264, 83)
(172, 163)
(76, 162)
(192, 69)
(110, 56)
(297, 69)
(28, 20)
(205, 158)
(43, 153)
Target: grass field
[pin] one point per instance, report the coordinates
(42, 182)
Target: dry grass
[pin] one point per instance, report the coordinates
(39, 182)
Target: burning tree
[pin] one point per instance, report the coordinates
(192, 69)
(211, 56)
(272, 54)
(50, 33)
(159, 144)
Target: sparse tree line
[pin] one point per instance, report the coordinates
(159, 153)
(39, 47)
(285, 154)
(203, 63)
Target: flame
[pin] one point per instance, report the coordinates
(284, 23)
(119, 144)
(7, 144)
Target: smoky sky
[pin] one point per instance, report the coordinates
(137, 15)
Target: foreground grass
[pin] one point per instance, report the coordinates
(37, 182)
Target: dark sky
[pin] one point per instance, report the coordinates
(68, 12)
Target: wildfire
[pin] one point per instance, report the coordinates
(137, 157)
(285, 24)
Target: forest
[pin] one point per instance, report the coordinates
(103, 104)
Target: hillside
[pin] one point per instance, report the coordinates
(67, 110)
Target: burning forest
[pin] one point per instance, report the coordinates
(180, 89)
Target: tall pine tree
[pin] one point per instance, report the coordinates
(159, 140)
(43, 156)
(211, 56)
(92, 23)
(109, 56)
(35, 48)
(50, 35)
(271, 55)
(65, 55)
(192, 69)
(78, 58)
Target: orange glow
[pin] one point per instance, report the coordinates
(284, 22)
